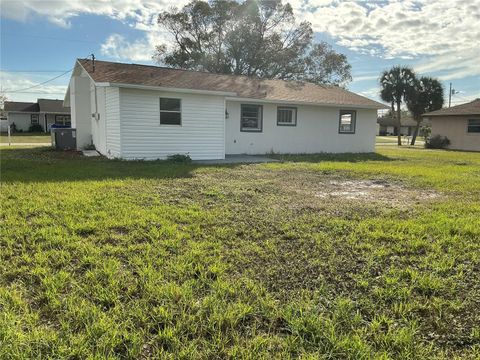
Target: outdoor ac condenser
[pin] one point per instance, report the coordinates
(64, 139)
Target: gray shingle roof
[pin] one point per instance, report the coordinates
(21, 106)
(471, 108)
(243, 86)
(405, 121)
(52, 106)
(42, 105)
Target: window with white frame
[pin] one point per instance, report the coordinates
(63, 120)
(286, 116)
(473, 126)
(347, 120)
(251, 118)
(34, 119)
(170, 111)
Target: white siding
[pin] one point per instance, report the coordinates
(112, 117)
(201, 134)
(316, 131)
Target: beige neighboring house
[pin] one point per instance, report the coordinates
(460, 124)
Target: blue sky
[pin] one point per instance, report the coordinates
(42, 39)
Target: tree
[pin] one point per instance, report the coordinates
(3, 98)
(426, 95)
(395, 84)
(254, 38)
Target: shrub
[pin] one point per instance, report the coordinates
(437, 142)
(35, 128)
(425, 131)
(179, 158)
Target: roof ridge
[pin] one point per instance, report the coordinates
(252, 87)
(216, 74)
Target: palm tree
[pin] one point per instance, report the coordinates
(425, 96)
(396, 83)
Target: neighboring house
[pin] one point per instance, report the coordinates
(388, 125)
(3, 124)
(44, 112)
(460, 124)
(134, 111)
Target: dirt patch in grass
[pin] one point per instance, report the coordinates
(395, 194)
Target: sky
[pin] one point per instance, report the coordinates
(41, 39)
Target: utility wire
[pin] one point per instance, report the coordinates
(33, 71)
(42, 83)
(49, 37)
(34, 86)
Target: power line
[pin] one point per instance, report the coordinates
(33, 71)
(50, 37)
(37, 92)
(42, 83)
(47, 81)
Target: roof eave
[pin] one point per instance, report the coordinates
(435, 115)
(164, 88)
(336, 105)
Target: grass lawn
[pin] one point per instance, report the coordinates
(317, 257)
(392, 140)
(36, 138)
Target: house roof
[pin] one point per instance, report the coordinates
(242, 86)
(21, 106)
(52, 106)
(405, 121)
(471, 108)
(42, 105)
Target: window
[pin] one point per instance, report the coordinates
(63, 120)
(473, 126)
(287, 116)
(34, 119)
(251, 118)
(170, 111)
(347, 122)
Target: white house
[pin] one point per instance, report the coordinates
(134, 111)
(45, 112)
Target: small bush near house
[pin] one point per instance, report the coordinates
(180, 158)
(425, 131)
(35, 128)
(437, 142)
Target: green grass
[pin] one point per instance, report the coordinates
(17, 138)
(114, 259)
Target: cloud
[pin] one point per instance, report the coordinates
(13, 81)
(60, 12)
(437, 32)
(117, 47)
(432, 33)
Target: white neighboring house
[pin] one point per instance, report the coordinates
(45, 112)
(134, 111)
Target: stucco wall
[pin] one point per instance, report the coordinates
(316, 131)
(455, 129)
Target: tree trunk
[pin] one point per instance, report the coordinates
(399, 125)
(415, 133)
